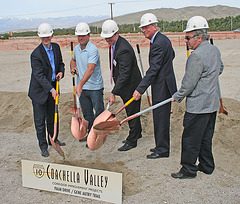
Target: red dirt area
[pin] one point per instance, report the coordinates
(177, 39)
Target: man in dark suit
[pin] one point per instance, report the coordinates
(160, 76)
(47, 65)
(126, 77)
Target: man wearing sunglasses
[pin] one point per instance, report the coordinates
(200, 87)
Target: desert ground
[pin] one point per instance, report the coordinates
(144, 180)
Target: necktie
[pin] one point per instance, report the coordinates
(150, 44)
(111, 64)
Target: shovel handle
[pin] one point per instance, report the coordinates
(140, 59)
(56, 101)
(146, 110)
(221, 108)
(125, 105)
(187, 50)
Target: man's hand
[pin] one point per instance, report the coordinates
(54, 94)
(173, 100)
(136, 95)
(111, 99)
(74, 71)
(60, 74)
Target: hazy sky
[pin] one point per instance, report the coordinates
(61, 8)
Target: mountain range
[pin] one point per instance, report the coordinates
(166, 14)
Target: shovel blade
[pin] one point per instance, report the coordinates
(79, 129)
(56, 146)
(221, 108)
(96, 138)
(107, 125)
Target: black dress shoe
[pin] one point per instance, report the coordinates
(60, 143)
(126, 147)
(204, 171)
(180, 175)
(152, 150)
(44, 153)
(125, 141)
(155, 155)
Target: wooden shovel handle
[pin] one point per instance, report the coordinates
(124, 106)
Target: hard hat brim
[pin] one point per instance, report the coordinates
(81, 34)
(146, 24)
(109, 35)
(192, 29)
(45, 35)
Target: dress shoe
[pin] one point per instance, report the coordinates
(204, 171)
(152, 150)
(125, 141)
(126, 147)
(60, 143)
(180, 175)
(83, 139)
(44, 153)
(155, 155)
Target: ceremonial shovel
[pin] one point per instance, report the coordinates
(115, 125)
(96, 138)
(55, 145)
(79, 126)
(73, 109)
(221, 108)
(140, 59)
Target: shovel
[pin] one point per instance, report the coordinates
(55, 145)
(187, 50)
(79, 126)
(221, 108)
(73, 109)
(95, 137)
(140, 59)
(115, 125)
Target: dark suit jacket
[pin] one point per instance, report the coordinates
(160, 74)
(41, 77)
(126, 74)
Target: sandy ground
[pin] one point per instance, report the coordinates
(144, 181)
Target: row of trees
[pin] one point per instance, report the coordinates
(216, 24)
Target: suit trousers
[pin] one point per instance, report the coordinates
(197, 143)
(161, 119)
(44, 114)
(135, 131)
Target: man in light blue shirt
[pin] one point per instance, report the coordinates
(86, 63)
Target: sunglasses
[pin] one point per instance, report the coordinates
(188, 37)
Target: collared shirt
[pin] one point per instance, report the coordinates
(153, 37)
(50, 55)
(89, 55)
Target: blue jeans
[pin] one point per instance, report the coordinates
(91, 100)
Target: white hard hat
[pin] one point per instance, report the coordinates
(82, 29)
(45, 30)
(147, 19)
(109, 28)
(196, 23)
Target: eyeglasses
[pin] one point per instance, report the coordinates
(188, 37)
